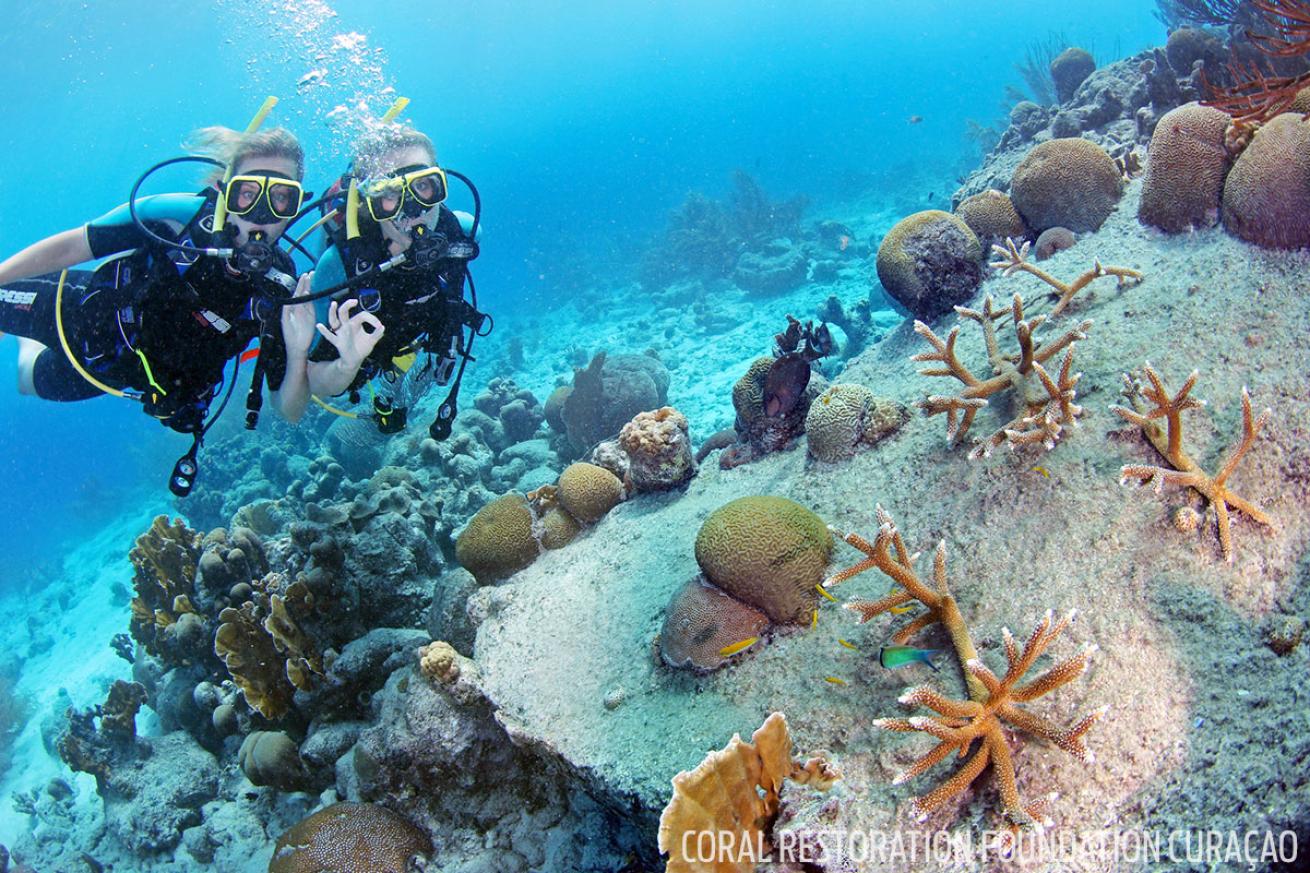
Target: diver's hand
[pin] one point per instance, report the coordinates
(298, 321)
(348, 333)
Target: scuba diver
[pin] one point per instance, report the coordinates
(181, 293)
(401, 259)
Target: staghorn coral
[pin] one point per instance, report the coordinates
(734, 793)
(992, 701)
(1014, 260)
(1046, 404)
(349, 838)
(1183, 470)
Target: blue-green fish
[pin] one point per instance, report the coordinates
(892, 657)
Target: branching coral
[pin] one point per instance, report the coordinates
(1013, 260)
(1169, 443)
(1047, 404)
(992, 701)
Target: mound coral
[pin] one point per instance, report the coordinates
(1267, 192)
(588, 492)
(608, 392)
(1050, 241)
(1169, 443)
(1068, 70)
(1186, 166)
(991, 216)
(350, 838)
(659, 449)
(498, 541)
(734, 796)
(768, 552)
(760, 432)
(1047, 404)
(1015, 260)
(271, 758)
(1069, 182)
(702, 622)
(930, 261)
(992, 702)
(846, 416)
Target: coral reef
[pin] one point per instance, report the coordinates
(930, 261)
(1047, 404)
(1014, 260)
(856, 323)
(515, 408)
(1069, 69)
(846, 416)
(271, 758)
(734, 795)
(1186, 166)
(702, 622)
(768, 552)
(349, 838)
(164, 559)
(758, 432)
(1267, 192)
(991, 216)
(1183, 470)
(1050, 241)
(659, 450)
(608, 393)
(498, 541)
(588, 492)
(1068, 182)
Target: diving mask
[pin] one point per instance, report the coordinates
(409, 190)
(263, 197)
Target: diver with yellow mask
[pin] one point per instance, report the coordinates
(186, 283)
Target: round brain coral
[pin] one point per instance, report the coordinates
(846, 415)
(588, 491)
(350, 838)
(1267, 193)
(1069, 183)
(992, 217)
(558, 528)
(929, 262)
(1069, 69)
(701, 620)
(768, 552)
(1186, 165)
(498, 541)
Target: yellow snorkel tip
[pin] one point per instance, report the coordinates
(220, 209)
(352, 196)
(395, 110)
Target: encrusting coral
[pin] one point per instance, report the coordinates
(992, 701)
(1046, 404)
(1014, 259)
(734, 795)
(1169, 443)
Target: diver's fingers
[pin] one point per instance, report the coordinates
(366, 317)
(344, 309)
(329, 335)
(334, 319)
(302, 284)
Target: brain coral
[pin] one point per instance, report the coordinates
(1185, 169)
(659, 448)
(846, 415)
(1069, 183)
(992, 217)
(1068, 70)
(498, 541)
(929, 262)
(588, 491)
(558, 528)
(700, 621)
(350, 838)
(768, 552)
(1052, 240)
(1267, 194)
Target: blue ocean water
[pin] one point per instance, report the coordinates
(584, 125)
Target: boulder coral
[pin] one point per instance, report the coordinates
(608, 392)
(1069, 69)
(992, 217)
(1267, 192)
(768, 552)
(349, 838)
(1186, 166)
(498, 541)
(847, 415)
(1070, 182)
(271, 758)
(929, 262)
(702, 622)
(760, 432)
(588, 491)
(659, 448)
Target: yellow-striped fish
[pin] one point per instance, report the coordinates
(848, 644)
(1045, 472)
(834, 680)
(814, 619)
(824, 592)
(739, 646)
(900, 610)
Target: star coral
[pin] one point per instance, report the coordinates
(992, 702)
(1014, 260)
(1046, 404)
(1168, 442)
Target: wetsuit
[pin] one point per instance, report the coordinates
(420, 307)
(160, 323)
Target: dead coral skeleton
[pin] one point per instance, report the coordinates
(992, 703)
(1014, 259)
(1047, 404)
(1168, 442)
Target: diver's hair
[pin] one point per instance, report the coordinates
(232, 147)
(387, 138)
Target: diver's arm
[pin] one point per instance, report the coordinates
(350, 335)
(292, 398)
(50, 255)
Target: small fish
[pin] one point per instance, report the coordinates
(1045, 472)
(739, 646)
(900, 610)
(843, 243)
(834, 680)
(814, 619)
(785, 383)
(892, 657)
(915, 119)
(931, 195)
(824, 592)
(848, 644)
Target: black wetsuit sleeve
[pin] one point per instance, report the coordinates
(166, 214)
